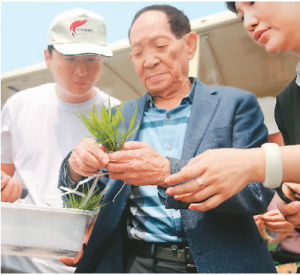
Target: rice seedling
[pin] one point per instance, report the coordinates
(108, 127)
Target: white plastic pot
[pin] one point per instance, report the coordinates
(34, 231)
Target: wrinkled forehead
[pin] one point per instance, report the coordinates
(150, 20)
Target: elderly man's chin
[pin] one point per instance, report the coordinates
(158, 85)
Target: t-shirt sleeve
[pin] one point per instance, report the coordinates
(6, 141)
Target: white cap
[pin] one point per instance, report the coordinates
(79, 32)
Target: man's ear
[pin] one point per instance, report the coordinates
(47, 56)
(191, 43)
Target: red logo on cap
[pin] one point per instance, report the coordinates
(77, 24)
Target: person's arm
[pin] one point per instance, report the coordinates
(11, 188)
(290, 163)
(226, 172)
(218, 168)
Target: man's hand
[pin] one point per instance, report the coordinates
(74, 262)
(138, 164)
(86, 158)
(11, 189)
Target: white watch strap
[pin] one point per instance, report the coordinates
(273, 165)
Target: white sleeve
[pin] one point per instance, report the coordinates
(6, 142)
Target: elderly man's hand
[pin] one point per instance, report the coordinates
(87, 157)
(138, 164)
(11, 189)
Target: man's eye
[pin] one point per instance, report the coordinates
(70, 58)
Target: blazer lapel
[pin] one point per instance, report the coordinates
(205, 103)
(128, 111)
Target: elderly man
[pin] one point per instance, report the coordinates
(141, 229)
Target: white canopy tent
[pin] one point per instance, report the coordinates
(226, 55)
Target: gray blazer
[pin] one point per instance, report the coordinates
(222, 240)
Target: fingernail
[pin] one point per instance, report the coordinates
(83, 246)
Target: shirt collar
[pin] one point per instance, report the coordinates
(186, 100)
(298, 74)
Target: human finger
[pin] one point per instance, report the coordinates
(271, 213)
(4, 181)
(133, 150)
(291, 190)
(186, 188)
(87, 157)
(291, 211)
(91, 153)
(258, 220)
(68, 261)
(188, 172)
(279, 238)
(133, 145)
(17, 188)
(288, 209)
(210, 203)
(12, 191)
(279, 227)
(198, 195)
(80, 167)
(273, 218)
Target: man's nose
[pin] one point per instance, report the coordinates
(81, 69)
(150, 59)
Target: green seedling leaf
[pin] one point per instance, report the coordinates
(105, 127)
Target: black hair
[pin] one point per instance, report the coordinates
(50, 48)
(179, 22)
(231, 6)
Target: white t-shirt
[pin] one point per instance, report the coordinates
(38, 130)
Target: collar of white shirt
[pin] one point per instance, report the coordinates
(298, 74)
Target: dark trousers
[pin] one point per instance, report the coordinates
(140, 264)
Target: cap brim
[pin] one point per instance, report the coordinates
(82, 49)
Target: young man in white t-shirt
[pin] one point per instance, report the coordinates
(39, 126)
